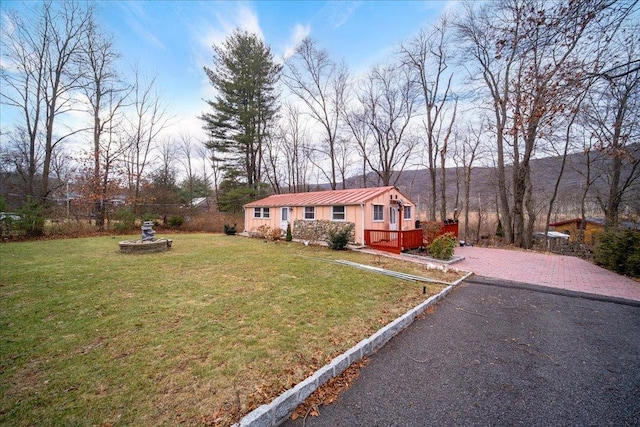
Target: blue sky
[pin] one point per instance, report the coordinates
(172, 39)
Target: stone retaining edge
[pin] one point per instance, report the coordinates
(276, 412)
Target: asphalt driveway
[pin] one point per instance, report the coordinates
(493, 355)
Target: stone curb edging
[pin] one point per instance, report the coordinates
(276, 412)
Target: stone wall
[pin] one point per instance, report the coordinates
(318, 230)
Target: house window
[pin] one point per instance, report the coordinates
(261, 213)
(407, 212)
(378, 212)
(309, 212)
(338, 213)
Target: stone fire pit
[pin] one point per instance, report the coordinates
(148, 243)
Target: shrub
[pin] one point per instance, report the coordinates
(263, 232)
(289, 236)
(266, 232)
(126, 220)
(175, 221)
(430, 229)
(230, 230)
(338, 239)
(442, 246)
(31, 219)
(276, 234)
(619, 251)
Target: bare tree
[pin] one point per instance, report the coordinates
(388, 104)
(482, 34)
(468, 152)
(164, 189)
(148, 118)
(185, 156)
(211, 157)
(427, 54)
(106, 95)
(295, 138)
(41, 54)
(614, 120)
(528, 53)
(274, 170)
(320, 83)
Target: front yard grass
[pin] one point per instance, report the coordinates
(201, 334)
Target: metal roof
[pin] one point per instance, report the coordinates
(577, 221)
(353, 196)
(553, 234)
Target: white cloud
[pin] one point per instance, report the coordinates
(247, 20)
(337, 13)
(140, 22)
(299, 33)
(348, 9)
(216, 22)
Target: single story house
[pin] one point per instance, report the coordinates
(378, 208)
(571, 227)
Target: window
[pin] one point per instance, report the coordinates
(378, 212)
(407, 212)
(261, 213)
(309, 212)
(338, 213)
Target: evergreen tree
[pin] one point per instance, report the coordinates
(233, 194)
(244, 76)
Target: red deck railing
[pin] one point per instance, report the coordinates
(387, 240)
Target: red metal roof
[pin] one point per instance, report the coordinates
(577, 221)
(353, 196)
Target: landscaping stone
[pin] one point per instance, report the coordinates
(283, 406)
(319, 230)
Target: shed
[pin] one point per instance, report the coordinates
(571, 227)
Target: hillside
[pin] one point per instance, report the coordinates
(417, 185)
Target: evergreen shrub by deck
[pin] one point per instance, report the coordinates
(619, 251)
(442, 246)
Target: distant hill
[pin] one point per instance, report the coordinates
(417, 184)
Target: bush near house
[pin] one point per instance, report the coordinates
(338, 239)
(230, 230)
(430, 229)
(619, 250)
(443, 246)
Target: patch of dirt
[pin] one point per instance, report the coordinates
(329, 392)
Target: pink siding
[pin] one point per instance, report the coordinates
(354, 211)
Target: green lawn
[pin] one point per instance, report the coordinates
(200, 334)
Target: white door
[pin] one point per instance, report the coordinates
(284, 218)
(393, 218)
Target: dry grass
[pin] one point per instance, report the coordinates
(197, 335)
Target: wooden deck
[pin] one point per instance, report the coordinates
(393, 240)
(397, 241)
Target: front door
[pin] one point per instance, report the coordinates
(284, 218)
(393, 218)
